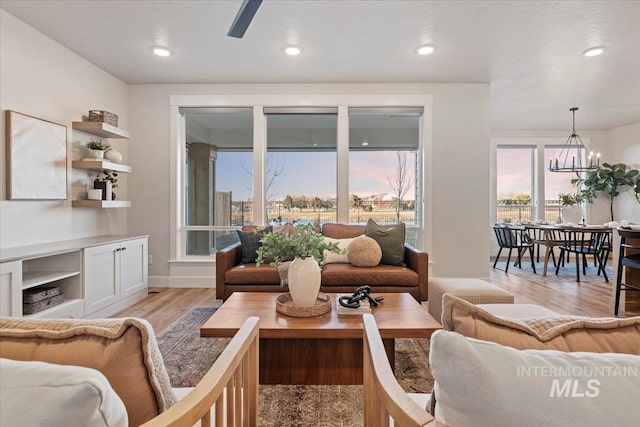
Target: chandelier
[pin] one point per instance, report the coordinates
(571, 156)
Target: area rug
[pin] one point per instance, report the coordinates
(566, 272)
(187, 357)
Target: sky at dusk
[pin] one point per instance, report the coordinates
(514, 173)
(314, 174)
(311, 173)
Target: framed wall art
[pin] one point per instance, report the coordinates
(36, 158)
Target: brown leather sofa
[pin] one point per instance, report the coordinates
(233, 276)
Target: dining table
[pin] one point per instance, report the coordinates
(548, 235)
(551, 236)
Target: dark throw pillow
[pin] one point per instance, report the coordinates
(250, 242)
(391, 241)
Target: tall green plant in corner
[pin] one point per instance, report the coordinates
(609, 179)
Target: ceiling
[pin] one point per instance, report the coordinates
(529, 51)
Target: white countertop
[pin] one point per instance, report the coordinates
(53, 248)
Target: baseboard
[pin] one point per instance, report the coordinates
(158, 281)
(181, 282)
(118, 306)
(485, 278)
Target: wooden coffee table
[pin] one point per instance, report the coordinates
(325, 349)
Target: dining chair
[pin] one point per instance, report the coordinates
(606, 251)
(630, 258)
(583, 242)
(549, 237)
(513, 238)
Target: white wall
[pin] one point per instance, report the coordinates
(39, 77)
(625, 148)
(457, 177)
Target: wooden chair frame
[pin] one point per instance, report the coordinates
(383, 396)
(230, 386)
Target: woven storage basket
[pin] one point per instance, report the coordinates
(38, 294)
(42, 305)
(103, 116)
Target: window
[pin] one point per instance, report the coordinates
(514, 179)
(383, 166)
(525, 188)
(555, 183)
(257, 165)
(300, 177)
(218, 177)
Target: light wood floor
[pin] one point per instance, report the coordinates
(566, 296)
(163, 306)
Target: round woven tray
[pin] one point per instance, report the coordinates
(284, 305)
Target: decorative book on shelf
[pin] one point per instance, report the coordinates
(365, 307)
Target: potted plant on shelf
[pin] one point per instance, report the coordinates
(106, 180)
(609, 179)
(571, 211)
(304, 248)
(97, 148)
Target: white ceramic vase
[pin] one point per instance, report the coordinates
(108, 191)
(97, 154)
(571, 214)
(114, 156)
(304, 281)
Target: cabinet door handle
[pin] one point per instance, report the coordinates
(123, 249)
(118, 250)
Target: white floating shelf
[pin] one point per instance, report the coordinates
(101, 204)
(100, 129)
(100, 165)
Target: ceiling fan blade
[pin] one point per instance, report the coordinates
(247, 10)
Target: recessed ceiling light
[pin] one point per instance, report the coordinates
(292, 50)
(161, 51)
(594, 51)
(426, 49)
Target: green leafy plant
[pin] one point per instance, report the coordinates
(570, 199)
(107, 175)
(609, 179)
(278, 246)
(97, 145)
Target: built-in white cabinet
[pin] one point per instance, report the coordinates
(114, 272)
(134, 267)
(11, 288)
(97, 277)
(61, 270)
(101, 272)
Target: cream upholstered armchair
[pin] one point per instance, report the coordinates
(112, 370)
(491, 370)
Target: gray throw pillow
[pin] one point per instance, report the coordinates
(391, 241)
(250, 242)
